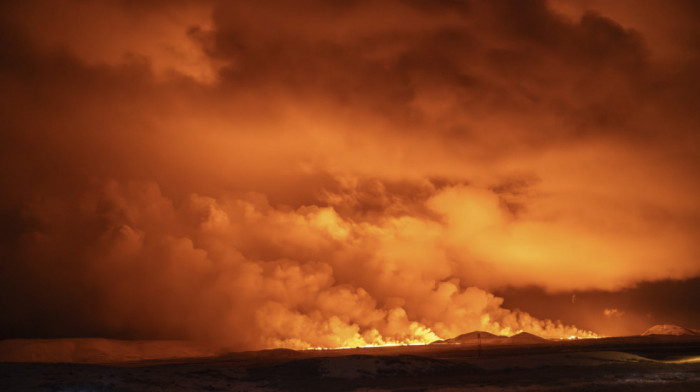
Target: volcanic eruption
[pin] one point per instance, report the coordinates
(310, 174)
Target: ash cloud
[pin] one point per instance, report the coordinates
(327, 174)
(243, 273)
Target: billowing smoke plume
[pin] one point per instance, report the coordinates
(244, 273)
(317, 173)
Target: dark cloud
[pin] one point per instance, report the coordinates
(647, 303)
(521, 61)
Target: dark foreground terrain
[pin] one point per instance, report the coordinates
(650, 363)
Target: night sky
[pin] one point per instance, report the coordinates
(341, 173)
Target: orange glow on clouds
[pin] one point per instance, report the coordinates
(312, 175)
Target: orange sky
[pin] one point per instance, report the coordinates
(307, 173)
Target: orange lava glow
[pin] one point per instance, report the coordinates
(319, 174)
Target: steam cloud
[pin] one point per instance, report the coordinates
(337, 173)
(241, 272)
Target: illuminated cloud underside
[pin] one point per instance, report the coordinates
(338, 174)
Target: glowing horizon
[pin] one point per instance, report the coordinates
(320, 174)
